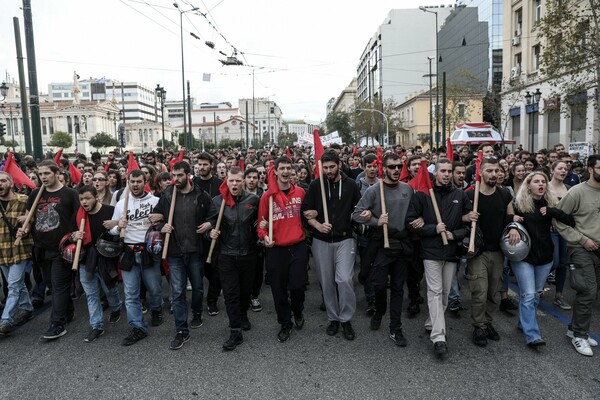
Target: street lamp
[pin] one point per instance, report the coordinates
(4, 90)
(387, 124)
(430, 105)
(181, 12)
(437, 86)
(161, 93)
(532, 108)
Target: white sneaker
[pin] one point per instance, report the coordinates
(591, 341)
(582, 346)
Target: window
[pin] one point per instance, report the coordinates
(537, 10)
(518, 60)
(226, 130)
(535, 58)
(203, 119)
(518, 22)
(461, 110)
(69, 125)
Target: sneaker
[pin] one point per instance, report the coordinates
(413, 309)
(480, 337)
(196, 321)
(93, 335)
(561, 303)
(591, 341)
(536, 343)
(508, 305)
(5, 327)
(213, 310)
(115, 316)
(235, 339)
(375, 322)
(246, 325)
(181, 337)
(255, 304)
(134, 336)
(54, 332)
(582, 346)
(21, 316)
(456, 306)
(157, 318)
(144, 307)
(440, 349)
(299, 321)
(284, 333)
(333, 328)
(491, 333)
(551, 278)
(37, 303)
(348, 331)
(398, 338)
(371, 309)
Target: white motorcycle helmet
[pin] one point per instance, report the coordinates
(519, 251)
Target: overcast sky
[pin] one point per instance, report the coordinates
(303, 52)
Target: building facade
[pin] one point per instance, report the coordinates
(265, 115)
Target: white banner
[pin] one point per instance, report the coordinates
(585, 149)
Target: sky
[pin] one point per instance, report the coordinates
(302, 53)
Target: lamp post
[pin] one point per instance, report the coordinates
(10, 116)
(4, 90)
(181, 12)
(161, 93)
(387, 124)
(430, 104)
(437, 90)
(532, 108)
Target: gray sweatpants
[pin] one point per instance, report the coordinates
(334, 263)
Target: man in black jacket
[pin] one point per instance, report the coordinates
(192, 206)
(333, 245)
(439, 260)
(237, 254)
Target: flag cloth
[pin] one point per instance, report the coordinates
(75, 173)
(131, 163)
(354, 150)
(478, 166)
(380, 162)
(319, 150)
(421, 182)
(176, 159)
(205, 77)
(287, 152)
(226, 194)
(449, 150)
(18, 176)
(241, 164)
(273, 188)
(106, 167)
(404, 174)
(87, 231)
(57, 157)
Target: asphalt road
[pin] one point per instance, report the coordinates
(311, 365)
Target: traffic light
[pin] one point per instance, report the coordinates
(2, 129)
(122, 139)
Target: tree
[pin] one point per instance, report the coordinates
(569, 37)
(10, 143)
(340, 121)
(194, 143)
(61, 139)
(286, 139)
(227, 143)
(102, 140)
(372, 124)
(169, 145)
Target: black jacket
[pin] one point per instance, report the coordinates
(203, 208)
(453, 204)
(238, 226)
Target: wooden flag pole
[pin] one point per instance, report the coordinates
(323, 198)
(438, 216)
(125, 205)
(213, 243)
(386, 238)
(271, 218)
(78, 248)
(170, 222)
(31, 212)
(474, 223)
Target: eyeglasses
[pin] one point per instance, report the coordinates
(394, 166)
(99, 179)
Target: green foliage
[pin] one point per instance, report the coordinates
(227, 143)
(102, 140)
(189, 140)
(10, 143)
(340, 122)
(286, 139)
(61, 139)
(169, 145)
(372, 124)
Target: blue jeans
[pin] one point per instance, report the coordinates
(17, 297)
(92, 284)
(531, 280)
(187, 266)
(131, 286)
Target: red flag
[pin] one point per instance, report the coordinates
(273, 188)
(131, 163)
(226, 194)
(449, 150)
(18, 176)
(421, 181)
(241, 164)
(319, 150)
(287, 152)
(380, 162)
(354, 150)
(404, 174)
(87, 231)
(57, 157)
(176, 159)
(107, 167)
(75, 173)
(478, 166)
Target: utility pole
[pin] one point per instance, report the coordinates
(34, 99)
(23, 86)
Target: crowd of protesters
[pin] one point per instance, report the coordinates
(242, 218)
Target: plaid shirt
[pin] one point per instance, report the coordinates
(9, 253)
